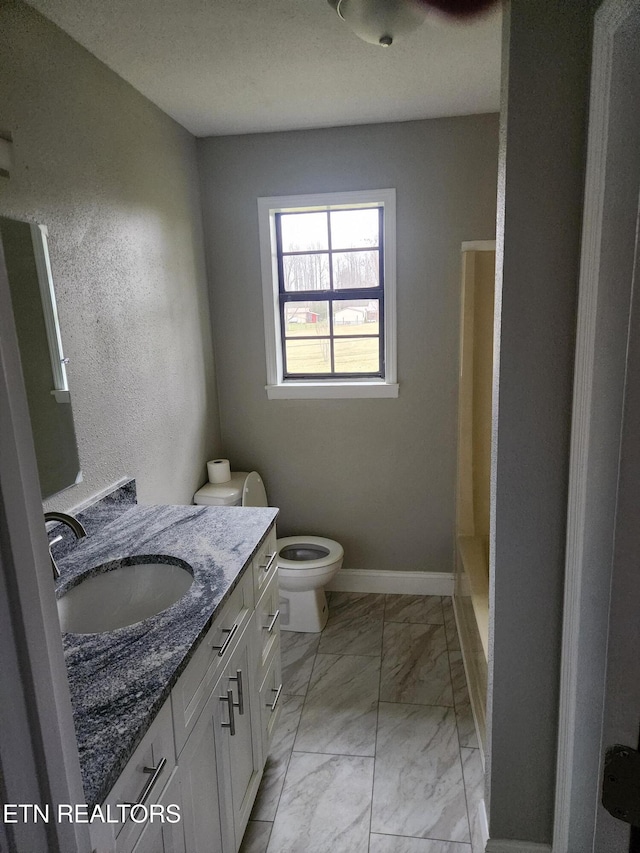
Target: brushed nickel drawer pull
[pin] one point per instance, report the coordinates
(223, 648)
(270, 558)
(277, 691)
(274, 619)
(155, 775)
(231, 725)
(240, 703)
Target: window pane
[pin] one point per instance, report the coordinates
(308, 319)
(355, 269)
(303, 232)
(357, 355)
(354, 229)
(308, 356)
(356, 317)
(306, 272)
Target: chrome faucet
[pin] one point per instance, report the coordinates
(71, 522)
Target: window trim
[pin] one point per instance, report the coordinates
(277, 387)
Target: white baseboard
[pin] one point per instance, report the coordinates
(499, 845)
(407, 583)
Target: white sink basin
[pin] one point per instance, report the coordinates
(122, 596)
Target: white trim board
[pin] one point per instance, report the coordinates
(589, 555)
(277, 387)
(499, 845)
(399, 583)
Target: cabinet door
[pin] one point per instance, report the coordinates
(241, 754)
(204, 825)
(164, 837)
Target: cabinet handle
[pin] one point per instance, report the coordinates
(223, 648)
(240, 703)
(277, 691)
(270, 558)
(231, 725)
(274, 619)
(155, 774)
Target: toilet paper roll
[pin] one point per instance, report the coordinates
(219, 471)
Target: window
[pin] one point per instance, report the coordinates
(328, 269)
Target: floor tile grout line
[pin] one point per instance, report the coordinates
(455, 711)
(284, 775)
(464, 788)
(375, 746)
(330, 754)
(422, 838)
(293, 742)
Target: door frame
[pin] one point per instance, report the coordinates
(603, 321)
(38, 749)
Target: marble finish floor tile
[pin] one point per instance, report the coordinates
(414, 608)
(361, 635)
(464, 715)
(418, 788)
(274, 772)
(473, 774)
(349, 605)
(325, 805)
(341, 708)
(397, 844)
(415, 665)
(256, 837)
(453, 640)
(298, 652)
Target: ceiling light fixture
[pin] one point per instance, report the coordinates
(380, 21)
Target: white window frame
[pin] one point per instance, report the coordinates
(277, 387)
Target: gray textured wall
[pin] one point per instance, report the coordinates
(116, 182)
(377, 475)
(543, 138)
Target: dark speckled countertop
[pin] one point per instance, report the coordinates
(120, 679)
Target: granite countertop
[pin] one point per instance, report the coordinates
(120, 679)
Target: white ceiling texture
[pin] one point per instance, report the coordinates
(222, 67)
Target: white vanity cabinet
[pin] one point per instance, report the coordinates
(221, 765)
(220, 752)
(151, 780)
(213, 732)
(238, 736)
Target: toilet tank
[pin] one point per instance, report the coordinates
(222, 494)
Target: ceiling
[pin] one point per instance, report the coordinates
(241, 66)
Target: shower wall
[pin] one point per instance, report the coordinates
(471, 596)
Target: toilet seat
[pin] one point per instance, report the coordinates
(332, 552)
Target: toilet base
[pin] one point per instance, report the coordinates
(306, 612)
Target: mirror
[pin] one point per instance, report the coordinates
(43, 362)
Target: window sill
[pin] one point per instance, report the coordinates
(331, 390)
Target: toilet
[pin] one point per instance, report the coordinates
(306, 564)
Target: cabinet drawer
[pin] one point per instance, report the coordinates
(270, 699)
(160, 836)
(264, 563)
(268, 619)
(145, 775)
(193, 687)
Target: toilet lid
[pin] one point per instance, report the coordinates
(304, 553)
(253, 493)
